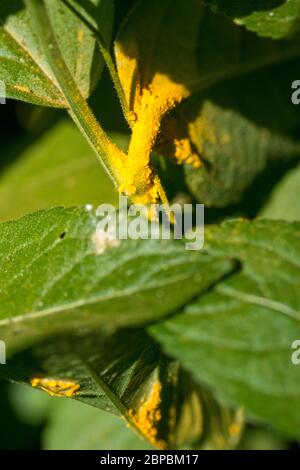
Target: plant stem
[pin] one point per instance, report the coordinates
(108, 61)
(109, 154)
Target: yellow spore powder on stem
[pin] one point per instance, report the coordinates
(151, 102)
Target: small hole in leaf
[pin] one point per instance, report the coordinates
(62, 235)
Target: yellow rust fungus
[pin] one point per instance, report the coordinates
(56, 387)
(148, 102)
(234, 429)
(80, 36)
(148, 416)
(22, 88)
(150, 96)
(137, 175)
(185, 154)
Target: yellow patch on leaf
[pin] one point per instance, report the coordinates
(56, 387)
(175, 141)
(202, 130)
(80, 36)
(22, 89)
(148, 416)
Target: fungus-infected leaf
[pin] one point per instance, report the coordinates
(186, 49)
(134, 380)
(236, 130)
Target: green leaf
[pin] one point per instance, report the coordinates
(236, 130)
(127, 374)
(238, 337)
(59, 273)
(284, 202)
(74, 426)
(57, 169)
(24, 68)
(273, 18)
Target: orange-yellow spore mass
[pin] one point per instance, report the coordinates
(185, 154)
(148, 416)
(56, 387)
